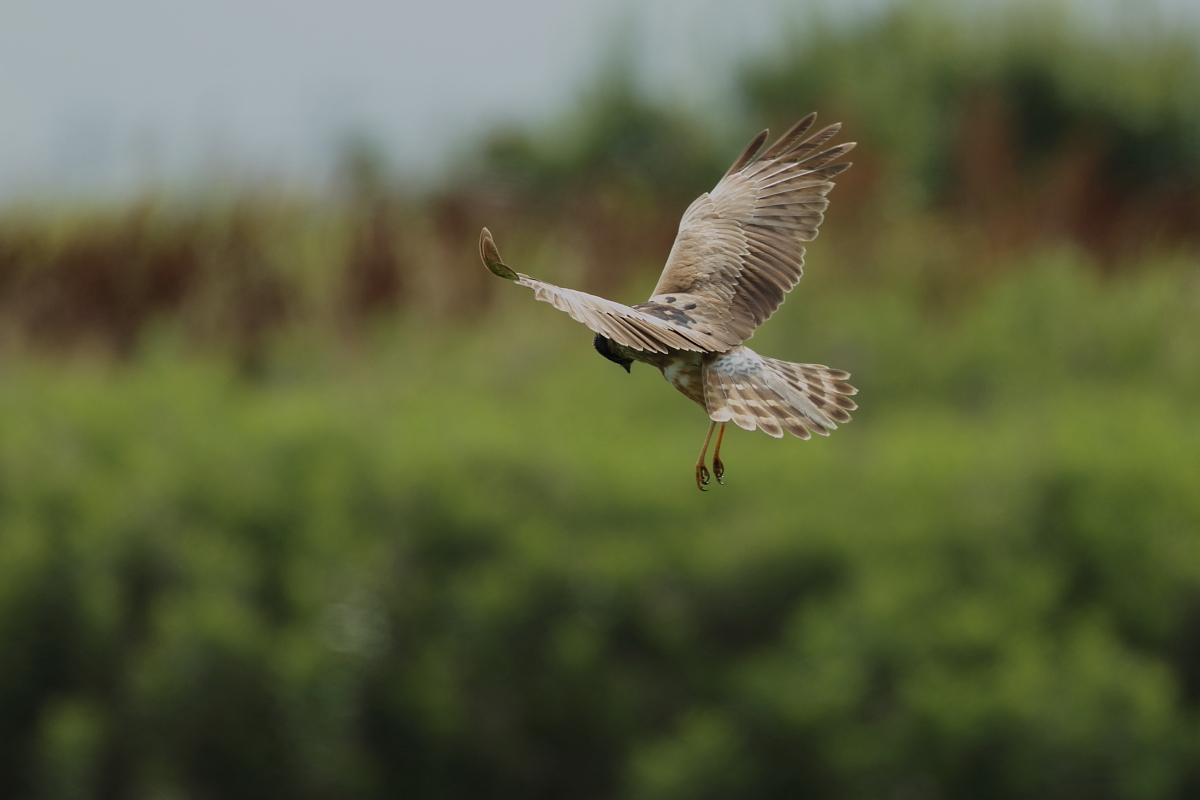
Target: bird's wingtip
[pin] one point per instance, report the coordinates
(491, 256)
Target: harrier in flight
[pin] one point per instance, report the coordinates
(739, 250)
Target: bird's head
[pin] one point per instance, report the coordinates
(604, 346)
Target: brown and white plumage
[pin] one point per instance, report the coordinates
(740, 247)
(648, 326)
(776, 396)
(739, 251)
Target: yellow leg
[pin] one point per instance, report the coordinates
(701, 470)
(718, 466)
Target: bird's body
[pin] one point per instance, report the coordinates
(683, 369)
(739, 250)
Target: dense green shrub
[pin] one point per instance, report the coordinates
(462, 568)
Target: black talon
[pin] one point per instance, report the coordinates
(719, 470)
(702, 477)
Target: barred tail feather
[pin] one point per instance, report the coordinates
(776, 396)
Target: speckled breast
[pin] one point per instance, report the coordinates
(683, 370)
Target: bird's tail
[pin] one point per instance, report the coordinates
(757, 392)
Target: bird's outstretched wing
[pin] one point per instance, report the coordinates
(740, 247)
(657, 325)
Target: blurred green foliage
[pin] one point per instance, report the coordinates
(912, 79)
(616, 137)
(478, 566)
(297, 501)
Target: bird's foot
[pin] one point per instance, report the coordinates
(701, 476)
(719, 470)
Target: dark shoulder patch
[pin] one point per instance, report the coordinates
(671, 314)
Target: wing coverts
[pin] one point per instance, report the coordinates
(739, 251)
(640, 328)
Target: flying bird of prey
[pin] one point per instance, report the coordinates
(739, 250)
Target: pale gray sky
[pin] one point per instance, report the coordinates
(104, 95)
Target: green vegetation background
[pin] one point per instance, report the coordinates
(297, 501)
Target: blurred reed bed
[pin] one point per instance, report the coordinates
(981, 141)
